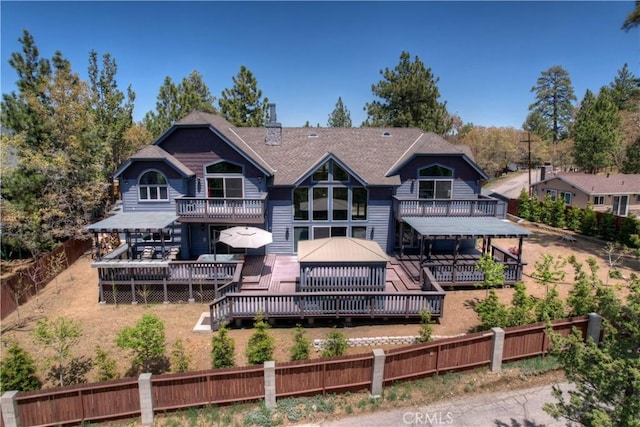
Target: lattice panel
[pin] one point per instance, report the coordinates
(150, 294)
(179, 294)
(122, 294)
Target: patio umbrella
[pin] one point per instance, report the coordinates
(245, 237)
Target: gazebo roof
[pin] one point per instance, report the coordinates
(340, 250)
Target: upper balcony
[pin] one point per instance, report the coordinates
(222, 210)
(480, 206)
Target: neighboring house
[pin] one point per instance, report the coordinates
(412, 193)
(615, 193)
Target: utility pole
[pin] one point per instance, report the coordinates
(528, 141)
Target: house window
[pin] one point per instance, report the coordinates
(434, 189)
(301, 204)
(227, 182)
(551, 193)
(359, 232)
(324, 232)
(225, 187)
(598, 200)
(359, 204)
(330, 203)
(153, 186)
(330, 171)
(437, 188)
(340, 203)
(566, 196)
(320, 204)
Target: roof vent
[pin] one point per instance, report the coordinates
(312, 135)
(386, 133)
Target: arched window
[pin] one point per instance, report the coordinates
(153, 186)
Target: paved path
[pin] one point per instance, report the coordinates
(511, 186)
(515, 408)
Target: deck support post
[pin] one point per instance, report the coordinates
(9, 404)
(594, 327)
(146, 399)
(166, 291)
(377, 378)
(270, 384)
(133, 290)
(497, 347)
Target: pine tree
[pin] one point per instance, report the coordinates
(18, 371)
(222, 349)
(408, 98)
(105, 364)
(176, 101)
(554, 102)
(625, 90)
(335, 344)
(340, 117)
(301, 344)
(147, 344)
(631, 162)
(261, 345)
(180, 360)
(242, 104)
(596, 132)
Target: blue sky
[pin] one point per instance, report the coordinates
(305, 55)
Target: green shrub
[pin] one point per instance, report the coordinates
(18, 371)
(335, 344)
(558, 211)
(574, 219)
(524, 205)
(607, 227)
(589, 223)
(492, 313)
(426, 329)
(630, 232)
(105, 364)
(146, 341)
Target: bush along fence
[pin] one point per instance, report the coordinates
(146, 395)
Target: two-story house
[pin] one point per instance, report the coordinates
(411, 192)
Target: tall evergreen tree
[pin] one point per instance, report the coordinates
(554, 101)
(33, 72)
(242, 104)
(408, 98)
(537, 125)
(18, 371)
(625, 89)
(112, 115)
(58, 183)
(596, 131)
(340, 117)
(176, 101)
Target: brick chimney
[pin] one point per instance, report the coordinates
(273, 131)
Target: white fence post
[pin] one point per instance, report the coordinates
(594, 327)
(270, 384)
(377, 379)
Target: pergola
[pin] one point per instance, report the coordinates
(460, 228)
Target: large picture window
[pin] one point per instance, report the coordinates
(320, 204)
(225, 187)
(301, 204)
(330, 171)
(153, 187)
(340, 204)
(359, 204)
(330, 203)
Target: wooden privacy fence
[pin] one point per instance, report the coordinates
(133, 397)
(28, 281)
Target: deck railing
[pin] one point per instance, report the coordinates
(302, 305)
(482, 206)
(245, 210)
(131, 281)
(464, 273)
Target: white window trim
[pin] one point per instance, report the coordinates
(156, 186)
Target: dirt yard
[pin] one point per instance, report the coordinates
(74, 294)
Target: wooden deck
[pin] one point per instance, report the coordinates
(279, 274)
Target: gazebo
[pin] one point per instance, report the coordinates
(341, 264)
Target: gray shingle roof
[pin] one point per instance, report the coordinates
(601, 184)
(153, 152)
(374, 154)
